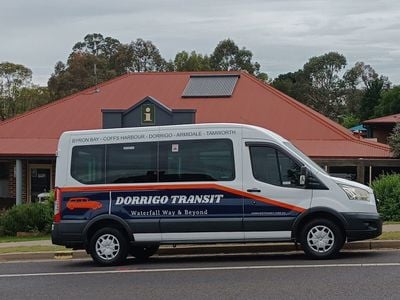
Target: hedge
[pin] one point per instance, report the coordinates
(387, 191)
(30, 217)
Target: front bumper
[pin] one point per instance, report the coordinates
(362, 226)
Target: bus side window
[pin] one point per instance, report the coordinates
(197, 160)
(131, 162)
(274, 167)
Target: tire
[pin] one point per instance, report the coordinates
(108, 247)
(321, 239)
(144, 252)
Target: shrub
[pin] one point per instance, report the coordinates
(32, 217)
(387, 190)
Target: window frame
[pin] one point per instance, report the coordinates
(277, 149)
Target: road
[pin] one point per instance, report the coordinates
(354, 275)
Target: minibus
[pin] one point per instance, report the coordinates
(126, 191)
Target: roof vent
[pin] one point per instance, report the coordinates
(210, 86)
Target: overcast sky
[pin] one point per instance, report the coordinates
(282, 34)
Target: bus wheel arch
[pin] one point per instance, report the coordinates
(108, 246)
(328, 223)
(103, 222)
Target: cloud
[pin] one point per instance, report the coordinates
(282, 34)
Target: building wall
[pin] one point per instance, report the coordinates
(380, 131)
(381, 135)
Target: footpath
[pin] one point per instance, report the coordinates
(10, 250)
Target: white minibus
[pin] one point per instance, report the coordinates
(126, 191)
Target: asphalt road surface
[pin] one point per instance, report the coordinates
(354, 275)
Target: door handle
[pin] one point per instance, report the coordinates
(254, 190)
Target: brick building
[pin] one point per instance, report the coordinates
(381, 128)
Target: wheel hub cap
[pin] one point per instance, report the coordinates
(320, 239)
(107, 246)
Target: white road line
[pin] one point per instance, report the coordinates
(202, 269)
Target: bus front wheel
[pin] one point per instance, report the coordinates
(322, 239)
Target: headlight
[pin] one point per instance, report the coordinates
(355, 193)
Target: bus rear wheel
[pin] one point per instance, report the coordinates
(322, 239)
(108, 247)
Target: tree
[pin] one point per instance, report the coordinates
(97, 59)
(326, 86)
(346, 98)
(97, 45)
(354, 93)
(394, 140)
(228, 57)
(371, 92)
(82, 71)
(318, 84)
(121, 60)
(390, 102)
(293, 84)
(92, 61)
(191, 62)
(349, 120)
(110, 51)
(146, 57)
(13, 77)
(32, 97)
(359, 93)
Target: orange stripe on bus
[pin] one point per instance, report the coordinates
(182, 187)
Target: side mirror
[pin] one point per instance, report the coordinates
(303, 175)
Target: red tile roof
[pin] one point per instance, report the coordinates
(392, 119)
(253, 102)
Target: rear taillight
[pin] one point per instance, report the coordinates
(57, 206)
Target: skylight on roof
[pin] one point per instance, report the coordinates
(210, 86)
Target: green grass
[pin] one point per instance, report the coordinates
(390, 222)
(7, 239)
(393, 235)
(31, 249)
